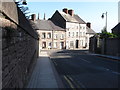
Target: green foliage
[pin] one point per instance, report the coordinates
(105, 34)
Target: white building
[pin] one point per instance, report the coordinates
(118, 11)
(77, 31)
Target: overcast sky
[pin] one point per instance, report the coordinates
(88, 11)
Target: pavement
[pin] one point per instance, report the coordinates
(104, 56)
(44, 74)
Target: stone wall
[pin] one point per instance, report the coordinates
(19, 51)
(109, 46)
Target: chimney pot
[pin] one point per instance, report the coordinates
(65, 10)
(71, 12)
(89, 24)
(33, 17)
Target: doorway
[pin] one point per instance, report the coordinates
(77, 42)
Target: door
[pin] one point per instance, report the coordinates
(62, 45)
(77, 42)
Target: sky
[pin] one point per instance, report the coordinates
(88, 11)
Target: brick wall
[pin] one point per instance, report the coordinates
(19, 53)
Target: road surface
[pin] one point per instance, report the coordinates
(80, 70)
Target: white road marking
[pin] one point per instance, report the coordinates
(85, 60)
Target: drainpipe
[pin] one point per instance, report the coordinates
(52, 38)
(79, 36)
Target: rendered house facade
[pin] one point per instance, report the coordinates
(64, 30)
(50, 35)
(77, 31)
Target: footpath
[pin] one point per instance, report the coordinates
(44, 74)
(104, 56)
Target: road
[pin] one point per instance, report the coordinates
(80, 70)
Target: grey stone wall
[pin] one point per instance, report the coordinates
(19, 51)
(112, 46)
(19, 54)
(109, 46)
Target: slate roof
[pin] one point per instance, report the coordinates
(55, 27)
(90, 31)
(79, 19)
(68, 17)
(116, 28)
(45, 25)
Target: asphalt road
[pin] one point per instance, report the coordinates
(80, 70)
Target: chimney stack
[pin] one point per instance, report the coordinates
(65, 10)
(71, 12)
(33, 17)
(89, 24)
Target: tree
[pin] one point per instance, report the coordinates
(23, 8)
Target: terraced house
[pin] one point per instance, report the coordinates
(51, 36)
(78, 31)
(64, 30)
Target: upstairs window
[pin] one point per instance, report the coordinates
(73, 34)
(43, 35)
(55, 36)
(76, 34)
(62, 36)
(49, 35)
(69, 34)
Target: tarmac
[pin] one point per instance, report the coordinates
(45, 75)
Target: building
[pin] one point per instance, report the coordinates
(50, 35)
(77, 31)
(64, 30)
(118, 11)
(116, 29)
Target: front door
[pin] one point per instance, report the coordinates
(77, 42)
(61, 45)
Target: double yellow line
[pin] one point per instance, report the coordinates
(70, 82)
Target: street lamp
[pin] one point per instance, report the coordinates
(106, 19)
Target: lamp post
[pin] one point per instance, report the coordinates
(106, 19)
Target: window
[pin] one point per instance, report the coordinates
(49, 35)
(80, 33)
(71, 44)
(55, 44)
(83, 33)
(43, 35)
(44, 45)
(83, 27)
(55, 36)
(62, 36)
(80, 27)
(73, 34)
(69, 34)
(49, 45)
(76, 34)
